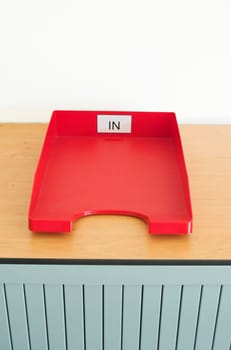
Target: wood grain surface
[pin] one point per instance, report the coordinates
(208, 156)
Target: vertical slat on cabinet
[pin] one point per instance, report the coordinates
(150, 317)
(222, 339)
(54, 306)
(207, 317)
(5, 334)
(131, 317)
(112, 317)
(36, 316)
(17, 316)
(93, 317)
(74, 317)
(169, 317)
(188, 317)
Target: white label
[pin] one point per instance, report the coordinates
(114, 123)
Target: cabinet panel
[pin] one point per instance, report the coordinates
(113, 308)
(191, 296)
(206, 326)
(74, 311)
(222, 339)
(5, 331)
(131, 317)
(55, 316)
(93, 317)
(17, 313)
(151, 308)
(34, 296)
(169, 317)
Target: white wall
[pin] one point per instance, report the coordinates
(118, 55)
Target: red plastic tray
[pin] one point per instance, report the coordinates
(139, 171)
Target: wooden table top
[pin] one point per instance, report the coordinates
(207, 152)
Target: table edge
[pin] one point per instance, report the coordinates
(136, 262)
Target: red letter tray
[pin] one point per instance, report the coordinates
(97, 162)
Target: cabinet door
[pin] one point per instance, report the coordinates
(112, 307)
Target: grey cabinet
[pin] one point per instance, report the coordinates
(96, 307)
